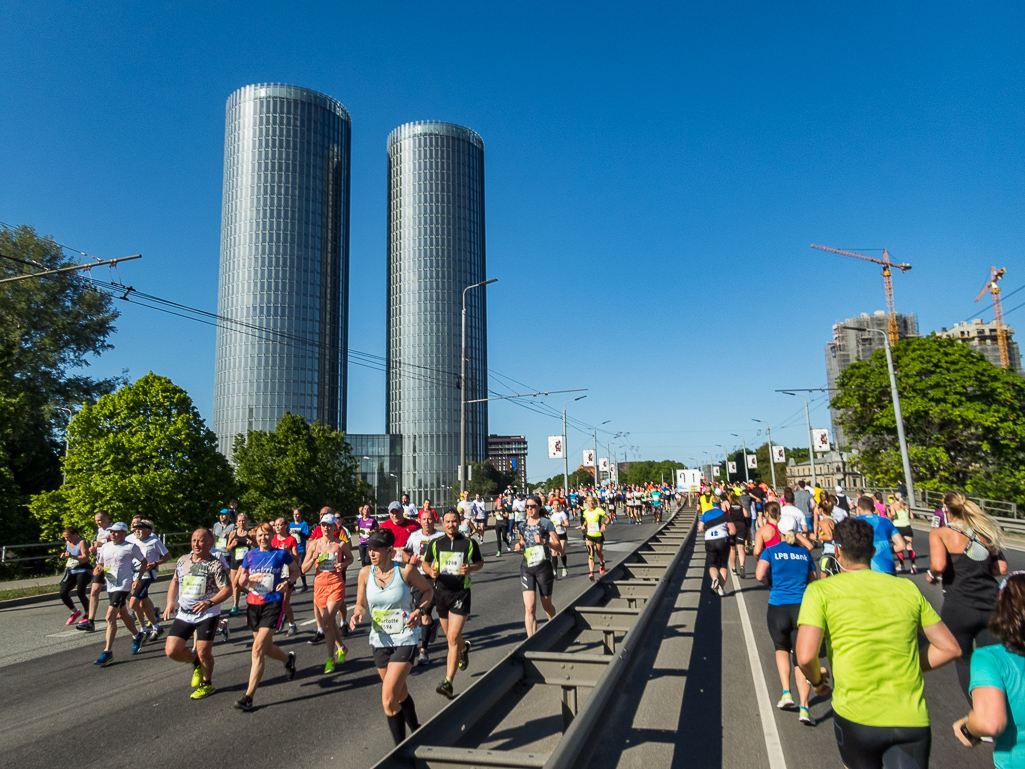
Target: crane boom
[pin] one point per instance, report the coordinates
(993, 286)
(891, 312)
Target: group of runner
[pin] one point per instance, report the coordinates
(871, 620)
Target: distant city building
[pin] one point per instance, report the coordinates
(380, 465)
(831, 468)
(508, 453)
(284, 261)
(982, 336)
(436, 248)
(849, 346)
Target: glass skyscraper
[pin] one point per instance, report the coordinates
(284, 261)
(435, 250)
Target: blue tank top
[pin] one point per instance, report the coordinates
(390, 607)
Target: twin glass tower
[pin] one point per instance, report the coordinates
(284, 272)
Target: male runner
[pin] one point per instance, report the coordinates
(413, 553)
(102, 537)
(114, 565)
(156, 554)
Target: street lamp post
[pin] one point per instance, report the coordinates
(743, 442)
(375, 485)
(462, 390)
(597, 481)
(565, 450)
(772, 463)
(895, 397)
(725, 466)
(67, 445)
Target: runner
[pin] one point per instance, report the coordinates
(715, 523)
(886, 536)
(199, 586)
(331, 555)
(828, 565)
(538, 542)
(401, 526)
(409, 510)
(966, 555)
(221, 531)
(102, 537)
(413, 553)
(114, 565)
(561, 521)
(656, 504)
(787, 568)
(299, 529)
(501, 524)
(739, 519)
(240, 542)
(385, 593)
(365, 524)
(284, 541)
(768, 534)
(449, 561)
(519, 514)
(76, 573)
(593, 522)
(872, 621)
(479, 511)
(155, 553)
(260, 572)
(901, 517)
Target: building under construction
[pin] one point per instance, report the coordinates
(983, 336)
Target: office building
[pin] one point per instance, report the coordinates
(982, 336)
(436, 248)
(850, 345)
(380, 465)
(508, 453)
(284, 261)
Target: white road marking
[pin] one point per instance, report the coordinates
(773, 746)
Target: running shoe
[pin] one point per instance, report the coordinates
(343, 630)
(73, 617)
(222, 628)
(601, 569)
(786, 702)
(741, 572)
(565, 571)
(234, 611)
(329, 666)
(464, 656)
(445, 689)
(422, 659)
(318, 638)
(155, 632)
(715, 584)
(805, 717)
(138, 641)
(197, 674)
(292, 630)
(340, 654)
(590, 576)
(721, 591)
(86, 624)
(245, 704)
(499, 553)
(201, 691)
(290, 666)
(104, 659)
(914, 569)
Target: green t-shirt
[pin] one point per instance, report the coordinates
(902, 518)
(871, 623)
(592, 520)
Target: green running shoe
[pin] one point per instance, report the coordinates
(329, 666)
(203, 690)
(197, 675)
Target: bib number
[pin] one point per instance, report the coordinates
(594, 527)
(240, 553)
(326, 561)
(450, 563)
(389, 621)
(261, 584)
(193, 587)
(534, 555)
(221, 543)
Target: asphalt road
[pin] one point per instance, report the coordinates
(60, 710)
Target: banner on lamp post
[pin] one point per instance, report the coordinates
(752, 462)
(603, 464)
(731, 467)
(778, 454)
(820, 439)
(588, 458)
(555, 448)
(715, 471)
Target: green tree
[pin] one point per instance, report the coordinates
(50, 328)
(964, 418)
(579, 477)
(141, 450)
(298, 464)
(485, 479)
(649, 471)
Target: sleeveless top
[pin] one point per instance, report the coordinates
(968, 578)
(775, 539)
(325, 572)
(73, 564)
(390, 607)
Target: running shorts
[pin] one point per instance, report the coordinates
(328, 588)
(717, 553)
(869, 747)
(906, 531)
(204, 629)
(782, 622)
(260, 615)
(600, 539)
(417, 599)
(99, 580)
(740, 537)
(384, 655)
(564, 536)
(118, 598)
(455, 601)
(142, 590)
(540, 577)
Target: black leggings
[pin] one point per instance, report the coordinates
(80, 583)
(501, 532)
(969, 628)
(881, 747)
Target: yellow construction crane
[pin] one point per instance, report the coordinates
(993, 287)
(891, 313)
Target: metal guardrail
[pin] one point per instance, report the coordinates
(1013, 525)
(8, 556)
(998, 508)
(565, 652)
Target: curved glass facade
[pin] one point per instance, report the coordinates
(284, 261)
(435, 250)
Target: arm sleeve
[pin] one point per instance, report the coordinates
(926, 614)
(986, 669)
(812, 608)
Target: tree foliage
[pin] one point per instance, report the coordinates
(50, 328)
(579, 477)
(141, 450)
(298, 464)
(486, 479)
(649, 471)
(964, 418)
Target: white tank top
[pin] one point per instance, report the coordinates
(390, 607)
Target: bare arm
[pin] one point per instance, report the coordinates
(809, 641)
(360, 609)
(988, 717)
(937, 554)
(942, 647)
(898, 542)
(762, 572)
(344, 556)
(172, 597)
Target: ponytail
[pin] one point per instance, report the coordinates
(975, 519)
(790, 538)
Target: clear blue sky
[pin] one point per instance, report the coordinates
(655, 175)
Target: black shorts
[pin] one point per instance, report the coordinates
(717, 553)
(99, 580)
(383, 655)
(455, 601)
(142, 589)
(418, 599)
(204, 629)
(740, 537)
(118, 598)
(600, 539)
(236, 563)
(782, 622)
(871, 747)
(260, 615)
(540, 577)
(564, 536)
(906, 531)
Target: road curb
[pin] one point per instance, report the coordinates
(12, 603)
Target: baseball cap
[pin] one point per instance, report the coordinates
(786, 524)
(839, 489)
(394, 506)
(119, 526)
(329, 519)
(224, 511)
(145, 524)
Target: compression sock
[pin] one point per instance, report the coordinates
(901, 557)
(912, 552)
(398, 727)
(425, 635)
(409, 713)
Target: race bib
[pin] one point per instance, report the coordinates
(261, 584)
(389, 621)
(193, 587)
(534, 555)
(560, 529)
(221, 543)
(240, 553)
(327, 561)
(450, 563)
(594, 527)
(74, 563)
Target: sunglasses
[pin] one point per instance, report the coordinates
(530, 506)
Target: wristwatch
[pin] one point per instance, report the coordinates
(969, 736)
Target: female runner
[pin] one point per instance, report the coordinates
(538, 541)
(240, 542)
(331, 556)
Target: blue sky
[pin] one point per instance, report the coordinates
(655, 176)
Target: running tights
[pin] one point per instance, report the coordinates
(969, 626)
(555, 561)
(80, 583)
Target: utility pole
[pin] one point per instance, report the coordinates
(565, 449)
(811, 445)
(772, 463)
(462, 390)
(97, 263)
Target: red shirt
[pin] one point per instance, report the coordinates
(433, 513)
(284, 543)
(401, 530)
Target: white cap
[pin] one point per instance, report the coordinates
(329, 518)
(119, 526)
(839, 489)
(787, 524)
